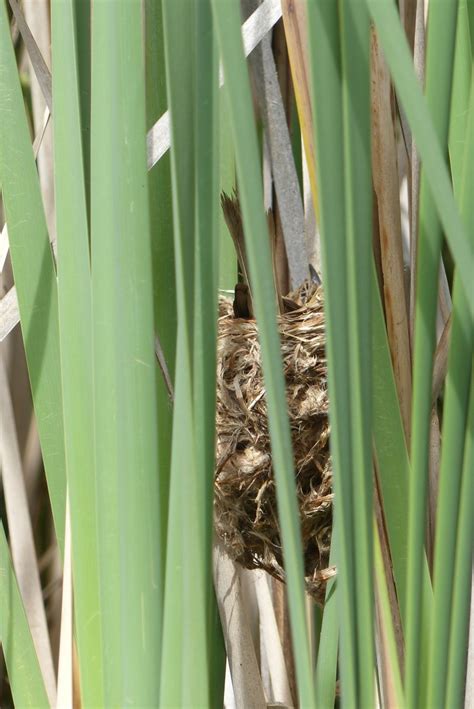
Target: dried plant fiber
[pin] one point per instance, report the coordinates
(245, 506)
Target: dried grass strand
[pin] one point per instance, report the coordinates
(246, 517)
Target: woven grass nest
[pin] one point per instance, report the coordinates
(245, 506)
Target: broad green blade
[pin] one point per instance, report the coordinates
(180, 52)
(460, 150)
(185, 667)
(393, 465)
(459, 631)
(161, 226)
(208, 216)
(454, 433)
(206, 260)
(24, 674)
(391, 452)
(185, 659)
(325, 56)
(75, 333)
(237, 88)
(128, 496)
(179, 55)
(33, 270)
(355, 48)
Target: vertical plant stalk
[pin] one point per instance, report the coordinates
(427, 137)
(226, 17)
(355, 54)
(419, 63)
(273, 666)
(326, 665)
(189, 675)
(392, 462)
(392, 686)
(455, 434)
(126, 457)
(206, 264)
(414, 186)
(439, 66)
(246, 680)
(459, 678)
(383, 541)
(433, 482)
(161, 228)
(324, 45)
(280, 605)
(75, 335)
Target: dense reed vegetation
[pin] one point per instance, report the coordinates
(353, 122)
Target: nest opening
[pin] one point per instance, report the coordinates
(245, 505)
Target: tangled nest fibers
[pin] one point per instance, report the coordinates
(245, 506)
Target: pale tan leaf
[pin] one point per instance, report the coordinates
(246, 679)
(4, 247)
(440, 366)
(9, 313)
(285, 179)
(273, 665)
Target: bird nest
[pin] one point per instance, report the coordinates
(245, 506)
